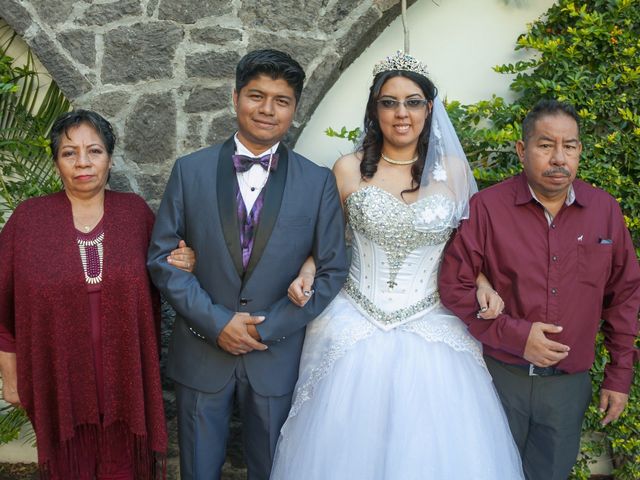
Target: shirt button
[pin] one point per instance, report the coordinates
(554, 291)
(554, 258)
(553, 225)
(243, 301)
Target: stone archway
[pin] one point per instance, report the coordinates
(162, 70)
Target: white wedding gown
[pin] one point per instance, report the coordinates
(392, 386)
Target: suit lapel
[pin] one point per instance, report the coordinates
(272, 201)
(226, 189)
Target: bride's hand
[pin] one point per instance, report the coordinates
(300, 290)
(491, 304)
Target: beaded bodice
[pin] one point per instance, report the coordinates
(394, 265)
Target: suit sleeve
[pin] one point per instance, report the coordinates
(462, 263)
(329, 253)
(620, 313)
(181, 289)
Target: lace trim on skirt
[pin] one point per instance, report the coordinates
(338, 349)
(437, 325)
(455, 337)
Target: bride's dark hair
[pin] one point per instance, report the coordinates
(371, 147)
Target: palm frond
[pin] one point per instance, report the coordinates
(26, 116)
(12, 423)
(26, 169)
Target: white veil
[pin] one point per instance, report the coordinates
(447, 181)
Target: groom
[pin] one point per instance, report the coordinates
(253, 210)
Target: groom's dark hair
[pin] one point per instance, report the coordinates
(273, 63)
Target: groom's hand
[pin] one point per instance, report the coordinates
(235, 338)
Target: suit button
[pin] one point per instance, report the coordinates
(243, 301)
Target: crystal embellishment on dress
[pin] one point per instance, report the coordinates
(389, 223)
(389, 318)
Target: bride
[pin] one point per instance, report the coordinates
(391, 385)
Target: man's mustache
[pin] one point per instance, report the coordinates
(556, 171)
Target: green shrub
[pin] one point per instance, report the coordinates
(26, 117)
(586, 52)
(26, 169)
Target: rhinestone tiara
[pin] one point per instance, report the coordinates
(401, 61)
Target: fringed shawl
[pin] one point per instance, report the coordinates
(44, 304)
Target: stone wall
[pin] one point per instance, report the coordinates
(162, 70)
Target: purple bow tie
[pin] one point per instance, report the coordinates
(242, 163)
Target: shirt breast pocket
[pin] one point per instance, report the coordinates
(594, 264)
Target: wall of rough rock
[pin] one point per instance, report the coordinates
(162, 70)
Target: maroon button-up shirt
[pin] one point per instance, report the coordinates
(573, 272)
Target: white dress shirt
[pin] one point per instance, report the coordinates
(253, 180)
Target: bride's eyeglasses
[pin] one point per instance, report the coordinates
(409, 103)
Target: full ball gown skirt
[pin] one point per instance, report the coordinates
(391, 385)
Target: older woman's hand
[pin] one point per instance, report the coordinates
(491, 304)
(183, 257)
(9, 370)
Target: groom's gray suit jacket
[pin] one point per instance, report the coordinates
(301, 216)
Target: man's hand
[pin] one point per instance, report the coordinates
(253, 331)
(612, 403)
(541, 351)
(235, 337)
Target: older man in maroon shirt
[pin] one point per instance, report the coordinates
(558, 252)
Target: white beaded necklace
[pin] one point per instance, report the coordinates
(83, 246)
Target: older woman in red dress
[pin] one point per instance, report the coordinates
(79, 318)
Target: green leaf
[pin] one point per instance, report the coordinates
(26, 118)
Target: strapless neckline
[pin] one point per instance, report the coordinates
(395, 254)
(376, 188)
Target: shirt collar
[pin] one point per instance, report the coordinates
(581, 193)
(571, 196)
(242, 150)
(524, 193)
